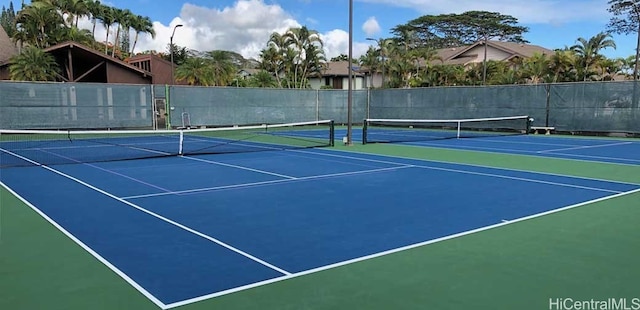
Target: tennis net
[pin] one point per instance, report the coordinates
(37, 147)
(413, 130)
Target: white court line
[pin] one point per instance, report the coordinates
(585, 147)
(521, 179)
(130, 145)
(109, 171)
(472, 165)
(521, 152)
(485, 174)
(158, 216)
(392, 251)
(245, 185)
(239, 167)
(93, 253)
(598, 157)
(510, 141)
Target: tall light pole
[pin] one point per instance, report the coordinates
(171, 51)
(381, 42)
(484, 61)
(350, 91)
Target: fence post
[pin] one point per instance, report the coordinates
(317, 104)
(548, 108)
(368, 102)
(167, 109)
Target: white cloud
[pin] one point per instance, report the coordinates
(244, 27)
(371, 26)
(336, 42)
(527, 11)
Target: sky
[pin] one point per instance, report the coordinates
(244, 26)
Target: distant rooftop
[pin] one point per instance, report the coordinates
(7, 47)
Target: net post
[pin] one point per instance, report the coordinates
(458, 133)
(181, 143)
(332, 133)
(364, 131)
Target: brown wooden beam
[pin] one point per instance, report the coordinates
(70, 68)
(62, 77)
(90, 70)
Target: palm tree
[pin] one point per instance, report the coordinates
(262, 79)
(82, 36)
(33, 64)
(589, 50)
(300, 39)
(509, 77)
(376, 58)
(141, 24)
(108, 19)
(399, 65)
(562, 64)
(123, 19)
(37, 21)
(221, 66)
(609, 68)
(371, 60)
(271, 62)
(195, 71)
(73, 9)
(536, 69)
(273, 57)
(96, 11)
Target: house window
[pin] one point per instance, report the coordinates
(327, 81)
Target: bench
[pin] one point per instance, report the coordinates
(546, 130)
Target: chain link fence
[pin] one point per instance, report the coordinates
(601, 107)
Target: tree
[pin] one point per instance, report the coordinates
(95, 9)
(195, 71)
(33, 64)
(293, 57)
(609, 68)
(141, 24)
(36, 22)
(221, 65)
(341, 57)
(108, 19)
(273, 57)
(562, 64)
(123, 19)
(262, 79)
(399, 65)
(8, 19)
(626, 20)
(73, 9)
(180, 54)
(75, 34)
(271, 62)
(449, 30)
(536, 69)
(308, 47)
(588, 51)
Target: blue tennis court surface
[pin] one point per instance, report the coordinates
(619, 151)
(183, 229)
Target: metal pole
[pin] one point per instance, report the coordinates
(171, 51)
(382, 43)
(484, 62)
(350, 90)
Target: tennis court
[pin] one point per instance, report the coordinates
(183, 227)
(499, 135)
